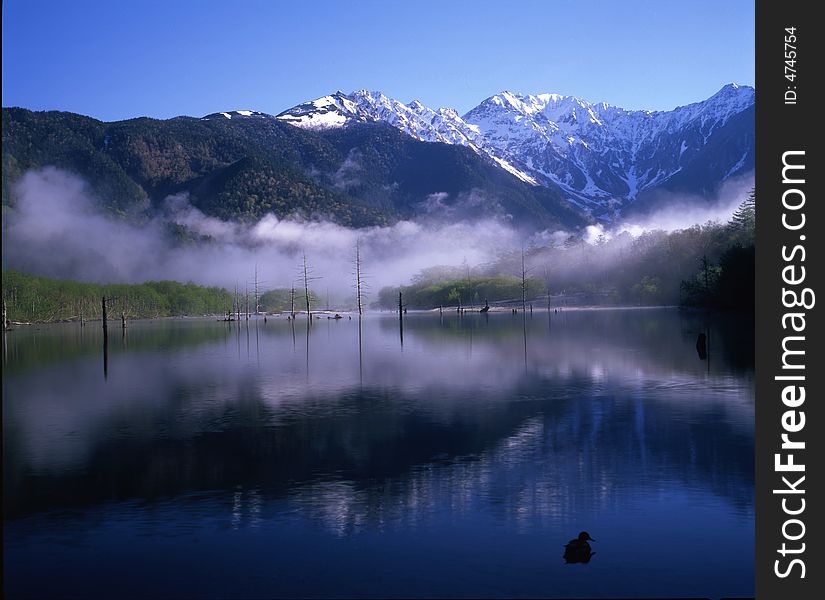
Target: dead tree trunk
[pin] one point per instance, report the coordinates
(358, 278)
(306, 288)
(547, 283)
(401, 317)
(256, 289)
(523, 284)
(105, 338)
(6, 322)
(105, 318)
(236, 308)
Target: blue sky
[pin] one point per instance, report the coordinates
(114, 60)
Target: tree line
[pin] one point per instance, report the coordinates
(30, 298)
(709, 265)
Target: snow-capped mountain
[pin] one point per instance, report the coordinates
(443, 125)
(603, 157)
(239, 114)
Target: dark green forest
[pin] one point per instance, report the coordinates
(33, 299)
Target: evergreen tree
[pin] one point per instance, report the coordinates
(743, 221)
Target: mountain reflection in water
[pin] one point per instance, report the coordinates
(492, 432)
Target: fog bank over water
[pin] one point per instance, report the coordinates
(55, 229)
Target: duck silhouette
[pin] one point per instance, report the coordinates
(578, 549)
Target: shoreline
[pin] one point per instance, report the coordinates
(348, 314)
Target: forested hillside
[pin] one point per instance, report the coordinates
(241, 169)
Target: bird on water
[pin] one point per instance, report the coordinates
(578, 549)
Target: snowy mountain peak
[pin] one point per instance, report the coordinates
(238, 114)
(733, 87)
(335, 110)
(601, 156)
(733, 94)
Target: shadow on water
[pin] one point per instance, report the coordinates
(360, 351)
(105, 355)
(524, 333)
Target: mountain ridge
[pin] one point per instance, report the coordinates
(602, 156)
(364, 158)
(249, 164)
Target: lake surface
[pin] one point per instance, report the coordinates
(455, 459)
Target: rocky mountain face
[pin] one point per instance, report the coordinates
(604, 158)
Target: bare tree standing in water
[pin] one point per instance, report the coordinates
(523, 283)
(359, 283)
(307, 274)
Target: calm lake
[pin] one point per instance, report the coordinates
(349, 459)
